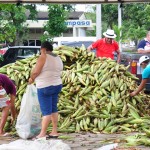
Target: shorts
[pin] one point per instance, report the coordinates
(4, 102)
(48, 99)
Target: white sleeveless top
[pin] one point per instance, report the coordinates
(50, 73)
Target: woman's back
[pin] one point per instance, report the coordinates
(51, 72)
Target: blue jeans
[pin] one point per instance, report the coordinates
(48, 99)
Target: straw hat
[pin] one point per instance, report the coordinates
(109, 34)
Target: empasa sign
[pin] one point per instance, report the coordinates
(78, 23)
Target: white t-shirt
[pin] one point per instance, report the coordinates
(3, 100)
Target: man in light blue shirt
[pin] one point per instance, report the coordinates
(144, 63)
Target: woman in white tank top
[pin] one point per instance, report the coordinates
(47, 76)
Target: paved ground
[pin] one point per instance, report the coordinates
(86, 141)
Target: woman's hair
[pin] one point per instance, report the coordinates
(47, 45)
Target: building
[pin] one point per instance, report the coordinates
(76, 27)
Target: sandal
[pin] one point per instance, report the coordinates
(51, 137)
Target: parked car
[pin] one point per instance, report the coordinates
(18, 52)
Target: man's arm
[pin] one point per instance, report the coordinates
(37, 69)
(118, 56)
(142, 51)
(140, 88)
(89, 48)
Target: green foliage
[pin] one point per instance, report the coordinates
(68, 7)
(12, 22)
(110, 14)
(56, 23)
(117, 31)
(91, 16)
(147, 11)
(136, 33)
(136, 14)
(33, 12)
(136, 20)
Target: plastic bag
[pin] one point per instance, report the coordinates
(108, 147)
(29, 119)
(40, 144)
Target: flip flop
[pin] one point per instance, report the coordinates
(51, 137)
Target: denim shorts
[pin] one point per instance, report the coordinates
(48, 99)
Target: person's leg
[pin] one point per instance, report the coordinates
(54, 123)
(45, 101)
(45, 123)
(5, 112)
(54, 115)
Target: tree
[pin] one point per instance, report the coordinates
(147, 11)
(136, 20)
(110, 15)
(12, 22)
(91, 16)
(56, 22)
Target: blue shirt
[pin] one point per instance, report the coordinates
(144, 44)
(146, 72)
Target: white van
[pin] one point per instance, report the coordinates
(64, 40)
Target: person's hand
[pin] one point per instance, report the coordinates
(133, 93)
(30, 81)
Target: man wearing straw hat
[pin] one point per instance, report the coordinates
(107, 46)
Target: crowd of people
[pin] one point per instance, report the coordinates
(47, 76)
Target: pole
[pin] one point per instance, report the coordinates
(120, 23)
(98, 21)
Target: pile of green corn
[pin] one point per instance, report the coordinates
(95, 95)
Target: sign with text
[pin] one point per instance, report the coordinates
(78, 23)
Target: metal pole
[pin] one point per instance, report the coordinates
(98, 21)
(120, 23)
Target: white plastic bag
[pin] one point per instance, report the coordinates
(40, 144)
(29, 119)
(109, 147)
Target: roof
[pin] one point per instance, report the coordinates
(75, 14)
(72, 1)
(43, 15)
